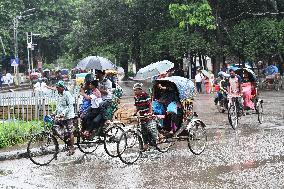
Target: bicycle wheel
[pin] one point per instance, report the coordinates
(87, 146)
(164, 144)
(197, 138)
(42, 148)
(219, 107)
(259, 111)
(129, 147)
(277, 86)
(111, 138)
(233, 116)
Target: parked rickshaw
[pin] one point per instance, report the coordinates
(188, 127)
(272, 82)
(249, 89)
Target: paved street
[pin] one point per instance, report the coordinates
(250, 157)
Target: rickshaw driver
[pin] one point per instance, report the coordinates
(234, 88)
(65, 110)
(144, 107)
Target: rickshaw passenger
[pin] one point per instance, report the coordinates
(105, 87)
(143, 106)
(223, 89)
(85, 91)
(170, 100)
(93, 117)
(235, 89)
(247, 92)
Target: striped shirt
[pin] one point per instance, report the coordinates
(143, 103)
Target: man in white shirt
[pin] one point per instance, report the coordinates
(40, 86)
(9, 78)
(198, 81)
(105, 86)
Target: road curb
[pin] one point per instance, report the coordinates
(4, 156)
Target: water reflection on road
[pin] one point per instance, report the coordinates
(250, 157)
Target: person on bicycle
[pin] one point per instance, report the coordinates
(144, 108)
(234, 88)
(65, 111)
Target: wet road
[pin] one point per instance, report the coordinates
(250, 157)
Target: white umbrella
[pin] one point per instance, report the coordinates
(95, 62)
(206, 73)
(154, 69)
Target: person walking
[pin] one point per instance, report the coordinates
(198, 81)
(1, 80)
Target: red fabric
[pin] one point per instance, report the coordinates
(217, 88)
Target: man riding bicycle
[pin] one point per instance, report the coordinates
(234, 88)
(65, 112)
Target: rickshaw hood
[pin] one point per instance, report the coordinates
(185, 86)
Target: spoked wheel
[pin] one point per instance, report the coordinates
(42, 148)
(259, 111)
(277, 86)
(219, 107)
(129, 147)
(197, 138)
(111, 138)
(233, 116)
(87, 146)
(164, 144)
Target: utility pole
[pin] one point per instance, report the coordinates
(16, 23)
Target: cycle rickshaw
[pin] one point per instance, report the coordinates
(250, 94)
(188, 127)
(272, 81)
(44, 147)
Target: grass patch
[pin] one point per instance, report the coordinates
(17, 132)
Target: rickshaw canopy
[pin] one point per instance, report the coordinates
(251, 74)
(184, 86)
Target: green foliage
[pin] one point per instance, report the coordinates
(253, 38)
(142, 32)
(195, 13)
(17, 132)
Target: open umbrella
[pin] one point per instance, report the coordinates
(154, 69)
(95, 62)
(206, 73)
(251, 74)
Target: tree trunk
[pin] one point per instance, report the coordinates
(200, 61)
(281, 64)
(204, 62)
(123, 62)
(136, 49)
